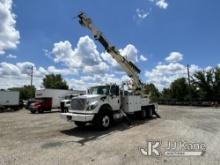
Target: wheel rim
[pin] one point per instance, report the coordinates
(105, 121)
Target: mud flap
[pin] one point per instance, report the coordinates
(155, 113)
(126, 117)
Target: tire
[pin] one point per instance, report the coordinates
(150, 112)
(65, 110)
(143, 114)
(103, 120)
(33, 111)
(41, 111)
(62, 110)
(80, 123)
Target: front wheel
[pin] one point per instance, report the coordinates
(103, 120)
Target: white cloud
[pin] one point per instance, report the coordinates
(85, 57)
(9, 69)
(164, 74)
(16, 75)
(11, 56)
(130, 52)
(9, 36)
(87, 81)
(174, 57)
(143, 58)
(208, 68)
(84, 62)
(63, 71)
(142, 14)
(163, 4)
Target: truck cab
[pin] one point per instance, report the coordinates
(41, 104)
(98, 106)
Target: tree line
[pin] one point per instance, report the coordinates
(203, 86)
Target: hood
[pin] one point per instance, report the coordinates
(89, 96)
(65, 100)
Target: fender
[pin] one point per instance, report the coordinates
(105, 107)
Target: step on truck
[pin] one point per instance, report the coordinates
(105, 103)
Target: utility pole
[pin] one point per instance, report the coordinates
(31, 74)
(188, 75)
(190, 90)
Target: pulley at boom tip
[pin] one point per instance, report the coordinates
(83, 19)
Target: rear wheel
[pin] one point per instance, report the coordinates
(80, 123)
(143, 114)
(150, 111)
(40, 110)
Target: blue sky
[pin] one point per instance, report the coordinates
(167, 34)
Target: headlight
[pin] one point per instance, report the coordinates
(92, 105)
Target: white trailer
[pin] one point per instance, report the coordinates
(9, 99)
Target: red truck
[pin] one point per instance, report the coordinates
(41, 104)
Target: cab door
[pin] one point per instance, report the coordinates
(114, 97)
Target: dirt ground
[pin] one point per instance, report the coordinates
(45, 139)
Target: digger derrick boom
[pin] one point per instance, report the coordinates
(129, 67)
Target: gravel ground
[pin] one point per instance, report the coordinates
(45, 139)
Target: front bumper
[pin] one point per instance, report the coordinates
(77, 117)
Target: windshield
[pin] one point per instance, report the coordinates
(40, 100)
(101, 90)
(68, 97)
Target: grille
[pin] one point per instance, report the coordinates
(78, 104)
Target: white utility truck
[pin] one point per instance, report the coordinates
(9, 99)
(104, 103)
